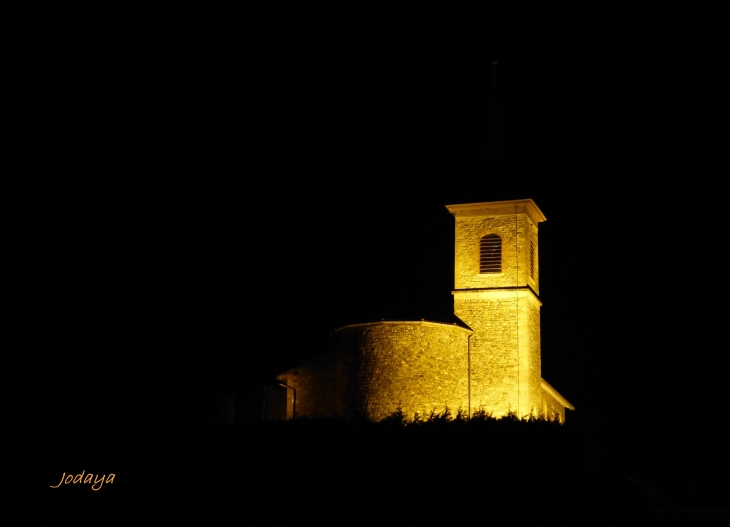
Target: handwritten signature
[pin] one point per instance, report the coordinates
(90, 478)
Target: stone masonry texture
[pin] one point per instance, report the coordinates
(516, 233)
(315, 386)
(505, 353)
(416, 366)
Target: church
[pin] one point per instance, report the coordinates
(489, 363)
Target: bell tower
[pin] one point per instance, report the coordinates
(496, 288)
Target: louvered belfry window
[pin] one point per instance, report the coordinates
(532, 259)
(490, 254)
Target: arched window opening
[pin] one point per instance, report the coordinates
(490, 254)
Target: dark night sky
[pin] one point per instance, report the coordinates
(203, 195)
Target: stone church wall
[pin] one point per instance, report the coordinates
(505, 355)
(415, 366)
(315, 386)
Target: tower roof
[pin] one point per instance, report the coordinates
(499, 208)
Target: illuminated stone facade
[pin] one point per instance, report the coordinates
(492, 364)
(502, 308)
(415, 366)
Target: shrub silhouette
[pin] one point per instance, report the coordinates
(479, 416)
